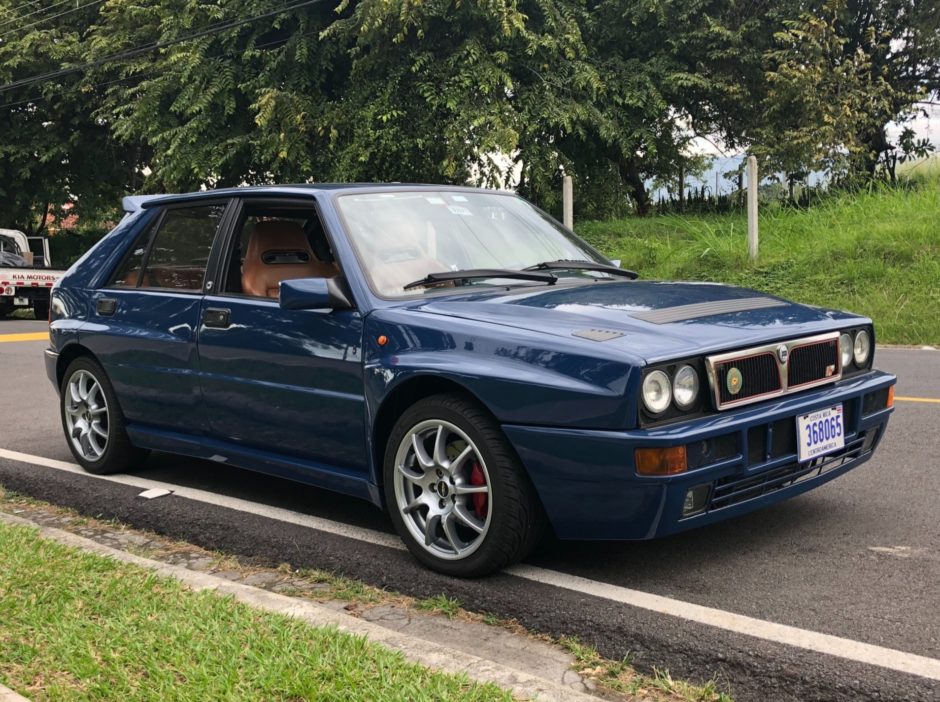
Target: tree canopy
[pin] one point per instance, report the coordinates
(112, 96)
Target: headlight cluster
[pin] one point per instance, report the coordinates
(855, 346)
(660, 390)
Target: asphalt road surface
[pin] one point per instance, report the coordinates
(857, 559)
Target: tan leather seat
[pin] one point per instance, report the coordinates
(278, 250)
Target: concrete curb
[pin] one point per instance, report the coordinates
(519, 682)
(7, 695)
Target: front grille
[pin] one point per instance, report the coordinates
(759, 376)
(812, 362)
(750, 375)
(736, 488)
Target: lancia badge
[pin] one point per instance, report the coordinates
(734, 381)
(783, 353)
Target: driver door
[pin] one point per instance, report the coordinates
(283, 381)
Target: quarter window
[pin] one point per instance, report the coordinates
(128, 273)
(180, 251)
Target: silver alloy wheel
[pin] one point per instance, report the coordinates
(86, 415)
(441, 487)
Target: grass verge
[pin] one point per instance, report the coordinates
(876, 253)
(620, 676)
(78, 626)
(615, 677)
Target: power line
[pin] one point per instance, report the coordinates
(52, 17)
(20, 18)
(282, 42)
(30, 4)
(146, 48)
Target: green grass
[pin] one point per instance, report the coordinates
(923, 170)
(440, 604)
(876, 253)
(76, 626)
(621, 677)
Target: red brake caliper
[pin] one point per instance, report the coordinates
(479, 499)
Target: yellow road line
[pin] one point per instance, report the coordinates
(32, 336)
(928, 400)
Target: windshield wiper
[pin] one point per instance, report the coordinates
(564, 265)
(444, 276)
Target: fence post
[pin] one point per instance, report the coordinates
(567, 202)
(752, 181)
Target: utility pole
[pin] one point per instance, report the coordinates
(752, 181)
(567, 202)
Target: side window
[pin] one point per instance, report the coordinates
(273, 243)
(180, 250)
(128, 273)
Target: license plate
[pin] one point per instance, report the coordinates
(20, 300)
(819, 433)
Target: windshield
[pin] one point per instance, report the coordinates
(403, 236)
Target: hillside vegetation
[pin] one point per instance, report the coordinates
(876, 253)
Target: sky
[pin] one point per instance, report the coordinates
(925, 126)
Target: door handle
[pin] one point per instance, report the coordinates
(105, 306)
(217, 318)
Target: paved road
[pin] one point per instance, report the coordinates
(858, 558)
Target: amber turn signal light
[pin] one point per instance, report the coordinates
(661, 461)
(890, 403)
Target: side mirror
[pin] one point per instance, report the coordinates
(314, 294)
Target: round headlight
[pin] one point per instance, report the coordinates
(657, 392)
(862, 348)
(685, 387)
(845, 346)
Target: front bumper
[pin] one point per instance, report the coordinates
(747, 459)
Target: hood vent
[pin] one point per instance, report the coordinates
(683, 313)
(597, 334)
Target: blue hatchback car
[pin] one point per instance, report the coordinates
(456, 357)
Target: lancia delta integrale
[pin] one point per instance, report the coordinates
(457, 358)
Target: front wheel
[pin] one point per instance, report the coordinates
(456, 491)
(93, 421)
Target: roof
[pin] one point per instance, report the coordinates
(308, 189)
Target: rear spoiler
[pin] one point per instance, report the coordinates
(133, 203)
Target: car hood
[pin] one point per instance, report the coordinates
(651, 320)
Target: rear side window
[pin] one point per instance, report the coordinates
(128, 273)
(175, 256)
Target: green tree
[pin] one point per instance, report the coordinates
(52, 150)
(901, 41)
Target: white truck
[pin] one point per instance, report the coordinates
(26, 275)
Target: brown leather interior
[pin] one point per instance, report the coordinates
(131, 279)
(172, 277)
(278, 250)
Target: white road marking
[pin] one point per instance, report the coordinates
(212, 498)
(154, 493)
(905, 552)
(729, 621)
(848, 649)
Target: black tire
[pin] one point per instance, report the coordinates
(517, 519)
(41, 309)
(120, 455)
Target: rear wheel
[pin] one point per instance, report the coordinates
(456, 491)
(93, 421)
